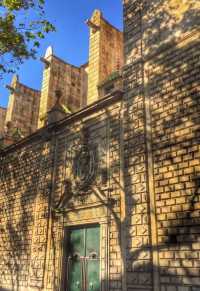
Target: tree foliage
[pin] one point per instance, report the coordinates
(22, 26)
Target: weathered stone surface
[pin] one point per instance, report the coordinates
(129, 163)
(69, 79)
(2, 119)
(105, 55)
(23, 107)
(163, 72)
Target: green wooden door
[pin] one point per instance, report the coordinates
(83, 259)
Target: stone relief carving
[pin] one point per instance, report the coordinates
(84, 168)
(85, 165)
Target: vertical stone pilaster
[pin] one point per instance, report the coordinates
(105, 55)
(41, 220)
(138, 230)
(150, 181)
(104, 263)
(94, 58)
(39, 243)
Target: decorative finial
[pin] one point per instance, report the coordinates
(49, 52)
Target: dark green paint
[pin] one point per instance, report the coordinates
(93, 275)
(75, 275)
(77, 242)
(84, 259)
(92, 241)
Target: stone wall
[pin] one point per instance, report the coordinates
(70, 80)
(2, 119)
(25, 182)
(161, 128)
(34, 178)
(141, 182)
(113, 83)
(23, 107)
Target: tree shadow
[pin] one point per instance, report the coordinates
(23, 176)
(171, 88)
(163, 69)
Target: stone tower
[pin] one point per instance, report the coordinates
(69, 79)
(105, 54)
(23, 106)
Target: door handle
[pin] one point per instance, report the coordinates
(93, 255)
(78, 284)
(91, 285)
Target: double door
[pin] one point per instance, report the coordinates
(83, 259)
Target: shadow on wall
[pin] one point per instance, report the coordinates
(23, 174)
(172, 87)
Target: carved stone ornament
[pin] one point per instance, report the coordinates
(84, 168)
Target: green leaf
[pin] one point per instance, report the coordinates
(36, 44)
(20, 40)
(40, 34)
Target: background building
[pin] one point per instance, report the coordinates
(79, 85)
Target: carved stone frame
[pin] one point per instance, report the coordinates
(104, 250)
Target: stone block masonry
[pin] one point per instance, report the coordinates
(105, 54)
(78, 85)
(175, 135)
(128, 162)
(24, 177)
(70, 80)
(162, 72)
(2, 119)
(23, 108)
(33, 179)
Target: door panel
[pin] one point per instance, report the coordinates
(93, 283)
(84, 259)
(77, 243)
(92, 241)
(75, 275)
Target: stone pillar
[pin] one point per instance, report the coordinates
(105, 55)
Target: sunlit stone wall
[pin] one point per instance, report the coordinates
(23, 108)
(69, 79)
(25, 180)
(38, 173)
(144, 190)
(162, 81)
(105, 53)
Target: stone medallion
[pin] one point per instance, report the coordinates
(84, 168)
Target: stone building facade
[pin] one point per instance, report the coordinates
(108, 198)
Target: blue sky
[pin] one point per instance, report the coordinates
(70, 41)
